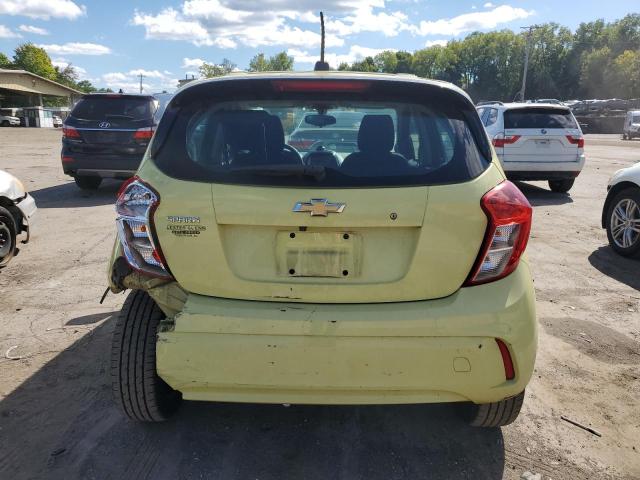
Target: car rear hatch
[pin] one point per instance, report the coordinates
(231, 224)
(539, 135)
(110, 124)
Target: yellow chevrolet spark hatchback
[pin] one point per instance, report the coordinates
(382, 265)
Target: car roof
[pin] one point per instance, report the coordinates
(335, 75)
(117, 95)
(511, 106)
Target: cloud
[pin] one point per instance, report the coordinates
(8, 33)
(231, 23)
(488, 5)
(472, 21)
(355, 53)
(192, 62)
(43, 9)
(32, 29)
(76, 48)
(153, 81)
(433, 43)
(61, 63)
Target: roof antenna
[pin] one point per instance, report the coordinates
(321, 66)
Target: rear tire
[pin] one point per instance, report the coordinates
(628, 194)
(137, 389)
(7, 236)
(88, 183)
(496, 414)
(561, 186)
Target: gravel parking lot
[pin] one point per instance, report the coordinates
(57, 419)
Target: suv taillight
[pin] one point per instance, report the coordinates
(500, 140)
(509, 214)
(143, 134)
(70, 132)
(135, 206)
(576, 140)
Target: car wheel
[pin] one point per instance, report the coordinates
(496, 414)
(7, 236)
(623, 222)
(561, 186)
(88, 183)
(624, 136)
(137, 389)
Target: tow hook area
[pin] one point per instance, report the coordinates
(169, 296)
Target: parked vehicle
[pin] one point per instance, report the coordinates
(536, 142)
(394, 277)
(9, 121)
(621, 212)
(631, 125)
(17, 208)
(57, 121)
(341, 134)
(553, 101)
(106, 135)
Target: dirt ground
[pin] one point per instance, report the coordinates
(57, 419)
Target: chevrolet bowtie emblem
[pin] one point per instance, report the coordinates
(319, 207)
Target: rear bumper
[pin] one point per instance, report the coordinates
(541, 175)
(28, 208)
(543, 170)
(100, 165)
(413, 352)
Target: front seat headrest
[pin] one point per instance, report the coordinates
(376, 134)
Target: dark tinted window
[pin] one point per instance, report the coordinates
(539, 118)
(104, 108)
(635, 119)
(387, 141)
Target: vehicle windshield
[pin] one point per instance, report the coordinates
(635, 119)
(102, 108)
(539, 118)
(353, 143)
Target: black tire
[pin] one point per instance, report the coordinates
(496, 414)
(561, 186)
(88, 183)
(7, 236)
(631, 194)
(137, 389)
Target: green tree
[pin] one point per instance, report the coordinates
(35, 60)
(625, 74)
(280, 62)
(386, 62)
(404, 60)
(4, 61)
(259, 63)
(210, 70)
(67, 76)
(85, 86)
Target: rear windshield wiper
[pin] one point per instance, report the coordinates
(316, 171)
(117, 115)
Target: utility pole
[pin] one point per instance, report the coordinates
(141, 77)
(526, 60)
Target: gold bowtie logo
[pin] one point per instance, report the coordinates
(319, 207)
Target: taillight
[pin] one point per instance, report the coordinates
(509, 215)
(143, 134)
(70, 132)
(135, 206)
(500, 140)
(320, 85)
(576, 140)
(301, 144)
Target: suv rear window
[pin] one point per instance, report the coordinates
(539, 118)
(102, 108)
(324, 139)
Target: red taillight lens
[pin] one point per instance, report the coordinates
(70, 132)
(500, 140)
(507, 361)
(509, 214)
(576, 140)
(143, 134)
(135, 206)
(320, 85)
(301, 144)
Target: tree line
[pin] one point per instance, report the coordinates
(599, 60)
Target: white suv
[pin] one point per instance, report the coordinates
(536, 141)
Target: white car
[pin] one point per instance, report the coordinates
(57, 121)
(9, 121)
(621, 212)
(631, 127)
(536, 141)
(17, 208)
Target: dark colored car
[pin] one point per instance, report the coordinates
(106, 135)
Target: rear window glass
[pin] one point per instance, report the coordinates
(320, 141)
(127, 108)
(539, 118)
(636, 119)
